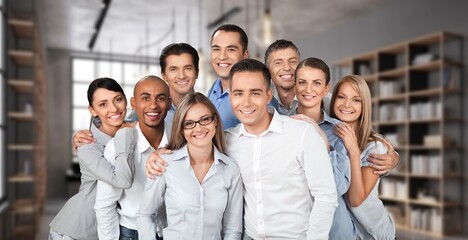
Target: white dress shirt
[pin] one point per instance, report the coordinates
(211, 209)
(108, 215)
(289, 188)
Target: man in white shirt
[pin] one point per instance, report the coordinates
(151, 101)
(288, 178)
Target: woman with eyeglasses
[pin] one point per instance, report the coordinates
(202, 188)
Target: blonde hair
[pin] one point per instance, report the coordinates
(177, 139)
(365, 133)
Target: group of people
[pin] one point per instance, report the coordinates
(267, 154)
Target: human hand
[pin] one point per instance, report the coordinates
(82, 137)
(155, 165)
(383, 163)
(348, 136)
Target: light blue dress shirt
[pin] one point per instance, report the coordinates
(221, 101)
(371, 218)
(208, 210)
(342, 226)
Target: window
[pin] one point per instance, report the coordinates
(86, 70)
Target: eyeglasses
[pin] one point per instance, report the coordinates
(205, 120)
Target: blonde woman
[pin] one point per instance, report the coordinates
(351, 104)
(201, 188)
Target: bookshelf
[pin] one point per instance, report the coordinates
(417, 105)
(26, 135)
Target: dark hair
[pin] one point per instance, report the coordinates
(178, 49)
(244, 40)
(280, 45)
(250, 65)
(106, 83)
(315, 63)
(177, 139)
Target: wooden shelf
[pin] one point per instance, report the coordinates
(390, 123)
(23, 206)
(394, 98)
(22, 28)
(22, 86)
(24, 58)
(394, 73)
(429, 203)
(370, 78)
(430, 66)
(393, 199)
(447, 175)
(20, 147)
(437, 84)
(21, 178)
(21, 116)
(394, 49)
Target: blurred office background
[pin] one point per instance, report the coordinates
(412, 54)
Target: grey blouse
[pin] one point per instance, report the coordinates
(77, 218)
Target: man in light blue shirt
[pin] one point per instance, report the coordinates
(228, 46)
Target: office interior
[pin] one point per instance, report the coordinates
(412, 53)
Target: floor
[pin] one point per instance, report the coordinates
(53, 206)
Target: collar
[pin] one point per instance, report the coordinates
(327, 118)
(142, 142)
(276, 125)
(275, 94)
(182, 153)
(100, 136)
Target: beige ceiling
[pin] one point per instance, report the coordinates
(143, 27)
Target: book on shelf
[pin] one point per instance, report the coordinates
(430, 165)
(393, 188)
(392, 112)
(425, 110)
(428, 219)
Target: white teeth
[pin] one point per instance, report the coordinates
(223, 64)
(345, 112)
(286, 77)
(200, 135)
(115, 116)
(152, 114)
(247, 112)
(182, 82)
(308, 97)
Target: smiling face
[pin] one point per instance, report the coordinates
(249, 98)
(226, 50)
(282, 64)
(110, 107)
(180, 74)
(310, 87)
(348, 105)
(200, 135)
(151, 101)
